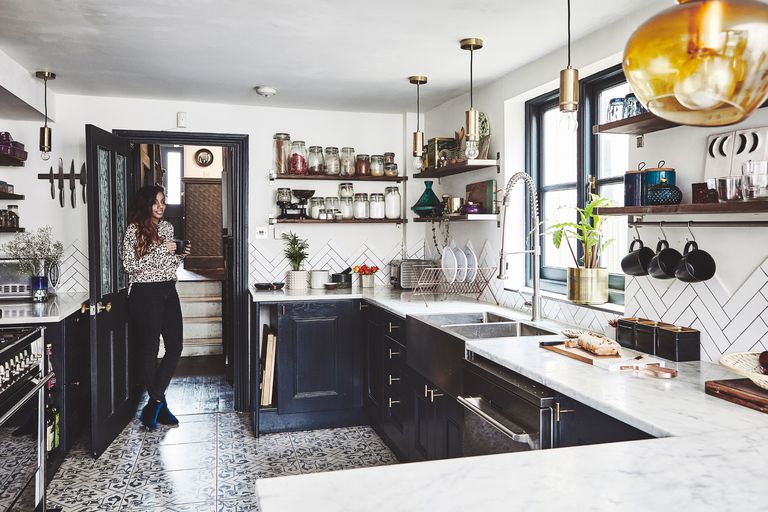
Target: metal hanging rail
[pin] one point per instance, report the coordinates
(699, 224)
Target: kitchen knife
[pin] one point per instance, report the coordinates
(53, 188)
(83, 178)
(61, 182)
(72, 194)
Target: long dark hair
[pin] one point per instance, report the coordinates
(141, 215)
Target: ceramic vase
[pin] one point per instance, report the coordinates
(428, 204)
(297, 280)
(39, 288)
(368, 280)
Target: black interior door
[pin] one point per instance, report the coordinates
(112, 397)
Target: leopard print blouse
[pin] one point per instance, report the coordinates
(158, 264)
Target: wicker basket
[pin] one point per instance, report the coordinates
(746, 364)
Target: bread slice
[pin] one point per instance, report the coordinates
(598, 345)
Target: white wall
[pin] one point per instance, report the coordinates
(193, 170)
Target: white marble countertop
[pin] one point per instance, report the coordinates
(58, 307)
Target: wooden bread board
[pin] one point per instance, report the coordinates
(739, 391)
(577, 353)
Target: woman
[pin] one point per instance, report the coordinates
(149, 257)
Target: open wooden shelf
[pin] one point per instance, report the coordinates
(345, 221)
(11, 230)
(469, 166)
(9, 161)
(470, 217)
(739, 207)
(9, 196)
(325, 177)
(635, 125)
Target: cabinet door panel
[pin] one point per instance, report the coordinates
(373, 371)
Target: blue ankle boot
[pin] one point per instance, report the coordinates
(150, 414)
(165, 416)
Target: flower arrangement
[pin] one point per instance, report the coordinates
(36, 251)
(365, 270)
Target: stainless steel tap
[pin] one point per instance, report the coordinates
(536, 231)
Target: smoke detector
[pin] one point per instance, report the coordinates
(265, 90)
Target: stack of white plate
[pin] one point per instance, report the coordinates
(459, 265)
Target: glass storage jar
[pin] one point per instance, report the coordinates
(322, 214)
(315, 160)
(377, 165)
(298, 160)
(13, 216)
(3, 218)
(347, 161)
(315, 204)
(284, 195)
(390, 170)
(281, 151)
(376, 208)
(347, 208)
(332, 166)
(392, 203)
(389, 157)
(361, 206)
(363, 165)
(331, 203)
(346, 190)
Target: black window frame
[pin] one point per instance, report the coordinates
(553, 279)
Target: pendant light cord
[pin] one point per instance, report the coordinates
(569, 33)
(471, 65)
(45, 101)
(418, 106)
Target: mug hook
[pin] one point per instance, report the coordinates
(661, 227)
(691, 232)
(636, 231)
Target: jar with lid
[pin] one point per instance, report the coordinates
(389, 157)
(332, 166)
(392, 203)
(377, 207)
(377, 165)
(315, 160)
(315, 204)
(298, 159)
(331, 203)
(283, 195)
(347, 161)
(346, 190)
(361, 206)
(363, 165)
(347, 208)
(322, 214)
(281, 152)
(13, 216)
(390, 170)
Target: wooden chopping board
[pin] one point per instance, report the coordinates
(739, 391)
(577, 353)
(484, 193)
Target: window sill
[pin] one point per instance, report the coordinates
(617, 309)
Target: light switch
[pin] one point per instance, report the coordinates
(261, 232)
(181, 119)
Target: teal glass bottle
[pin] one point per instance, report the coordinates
(428, 204)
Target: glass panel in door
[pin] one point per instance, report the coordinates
(105, 250)
(122, 221)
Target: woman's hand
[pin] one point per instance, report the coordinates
(188, 249)
(171, 246)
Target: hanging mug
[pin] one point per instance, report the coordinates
(665, 262)
(696, 265)
(636, 262)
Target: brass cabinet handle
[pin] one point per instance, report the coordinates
(393, 326)
(393, 353)
(432, 394)
(363, 306)
(101, 307)
(84, 308)
(393, 379)
(393, 402)
(559, 411)
(426, 391)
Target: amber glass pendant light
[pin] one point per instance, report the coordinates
(473, 116)
(418, 135)
(702, 62)
(569, 89)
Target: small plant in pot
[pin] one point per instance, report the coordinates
(587, 281)
(296, 252)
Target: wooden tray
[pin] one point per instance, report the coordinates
(577, 353)
(739, 391)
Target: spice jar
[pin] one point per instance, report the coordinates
(392, 203)
(315, 160)
(347, 208)
(331, 203)
(315, 205)
(298, 160)
(363, 165)
(376, 208)
(347, 160)
(346, 190)
(322, 214)
(361, 206)
(281, 151)
(332, 166)
(390, 170)
(389, 157)
(377, 165)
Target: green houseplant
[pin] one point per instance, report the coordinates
(39, 257)
(587, 282)
(296, 251)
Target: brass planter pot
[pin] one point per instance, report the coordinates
(588, 285)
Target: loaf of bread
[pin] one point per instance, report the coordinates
(598, 345)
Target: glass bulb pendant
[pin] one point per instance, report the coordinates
(569, 99)
(418, 165)
(472, 150)
(568, 122)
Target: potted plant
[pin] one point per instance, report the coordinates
(367, 275)
(587, 281)
(39, 257)
(296, 252)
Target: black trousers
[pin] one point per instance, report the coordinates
(155, 309)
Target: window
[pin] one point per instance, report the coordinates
(565, 164)
(173, 160)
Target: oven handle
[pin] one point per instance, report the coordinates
(19, 404)
(473, 404)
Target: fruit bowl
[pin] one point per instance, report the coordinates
(748, 365)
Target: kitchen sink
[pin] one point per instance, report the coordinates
(483, 317)
(497, 330)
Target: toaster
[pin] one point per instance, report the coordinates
(405, 274)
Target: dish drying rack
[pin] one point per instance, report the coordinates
(433, 281)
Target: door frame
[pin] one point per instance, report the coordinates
(238, 143)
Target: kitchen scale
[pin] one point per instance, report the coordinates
(291, 210)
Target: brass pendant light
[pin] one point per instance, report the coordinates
(702, 62)
(45, 131)
(473, 116)
(418, 135)
(569, 89)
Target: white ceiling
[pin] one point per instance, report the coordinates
(327, 54)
